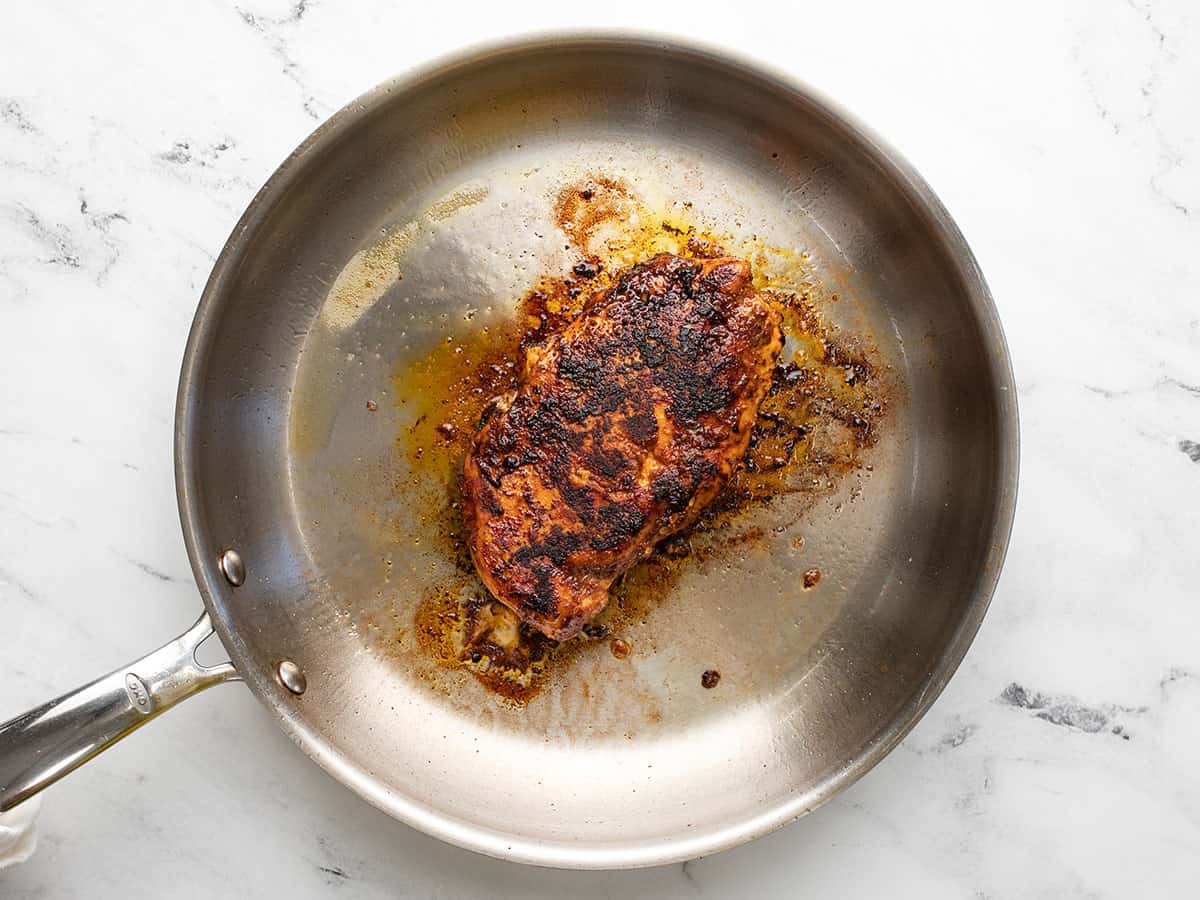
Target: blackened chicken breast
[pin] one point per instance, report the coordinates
(625, 424)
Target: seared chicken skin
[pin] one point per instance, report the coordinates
(625, 425)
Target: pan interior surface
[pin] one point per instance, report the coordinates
(424, 211)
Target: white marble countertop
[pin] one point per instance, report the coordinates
(1064, 138)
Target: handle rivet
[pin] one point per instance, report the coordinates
(291, 676)
(232, 567)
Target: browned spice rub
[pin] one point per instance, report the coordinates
(623, 426)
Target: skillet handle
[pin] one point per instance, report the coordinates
(44, 744)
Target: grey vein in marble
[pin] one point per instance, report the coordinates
(182, 153)
(956, 738)
(1068, 711)
(57, 238)
(274, 30)
(20, 586)
(1145, 124)
(1177, 674)
(12, 112)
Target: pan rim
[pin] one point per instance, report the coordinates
(202, 553)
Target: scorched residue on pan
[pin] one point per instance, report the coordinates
(825, 408)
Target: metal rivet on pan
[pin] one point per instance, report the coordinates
(291, 676)
(232, 567)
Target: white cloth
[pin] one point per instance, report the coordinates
(18, 832)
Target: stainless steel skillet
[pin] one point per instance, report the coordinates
(419, 212)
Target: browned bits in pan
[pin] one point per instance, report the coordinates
(828, 400)
(586, 269)
(710, 678)
(595, 630)
(581, 213)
